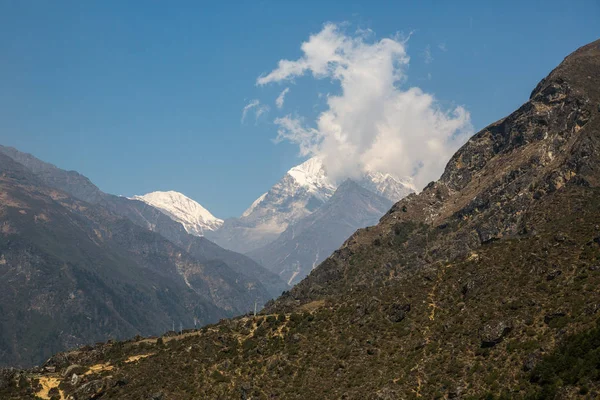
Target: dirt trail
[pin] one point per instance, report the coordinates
(48, 383)
(138, 357)
(94, 369)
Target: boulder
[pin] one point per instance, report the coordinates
(494, 332)
(76, 380)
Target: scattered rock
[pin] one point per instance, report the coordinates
(76, 380)
(494, 332)
(58, 361)
(91, 389)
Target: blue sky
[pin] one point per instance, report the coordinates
(148, 95)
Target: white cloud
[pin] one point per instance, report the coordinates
(442, 47)
(373, 123)
(259, 109)
(293, 129)
(281, 98)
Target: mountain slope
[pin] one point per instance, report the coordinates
(304, 244)
(73, 274)
(149, 217)
(194, 218)
(484, 285)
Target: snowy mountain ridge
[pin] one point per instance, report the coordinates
(310, 177)
(300, 192)
(387, 185)
(195, 219)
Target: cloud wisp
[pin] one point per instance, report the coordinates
(254, 105)
(373, 123)
(281, 98)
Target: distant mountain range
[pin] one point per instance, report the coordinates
(269, 231)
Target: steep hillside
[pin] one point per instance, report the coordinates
(303, 245)
(483, 286)
(73, 273)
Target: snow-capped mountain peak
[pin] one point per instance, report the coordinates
(311, 175)
(302, 189)
(254, 205)
(300, 183)
(387, 185)
(194, 218)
